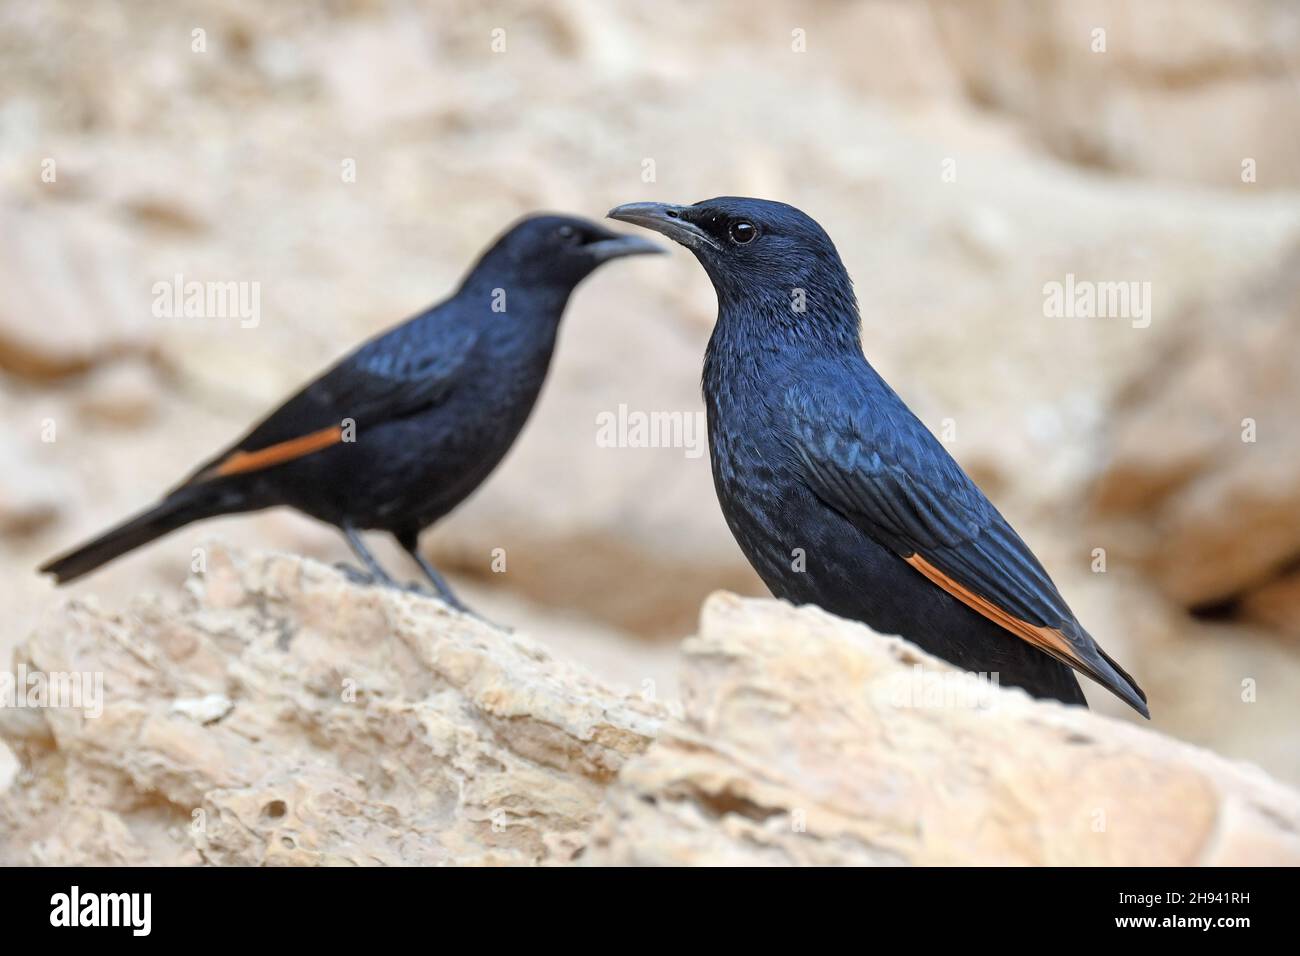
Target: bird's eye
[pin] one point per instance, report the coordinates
(566, 233)
(742, 232)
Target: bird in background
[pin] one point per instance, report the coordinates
(403, 429)
(814, 455)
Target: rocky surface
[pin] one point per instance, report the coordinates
(1206, 447)
(278, 714)
(1128, 86)
(962, 155)
(809, 740)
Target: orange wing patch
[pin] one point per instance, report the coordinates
(1047, 639)
(245, 461)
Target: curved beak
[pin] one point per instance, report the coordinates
(615, 247)
(665, 218)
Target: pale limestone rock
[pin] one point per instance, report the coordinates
(32, 494)
(282, 715)
(123, 394)
(8, 767)
(799, 747)
(1276, 604)
(205, 710)
(67, 305)
(1203, 459)
(1129, 86)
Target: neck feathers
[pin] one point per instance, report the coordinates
(817, 314)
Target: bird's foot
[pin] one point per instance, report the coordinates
(356, 575)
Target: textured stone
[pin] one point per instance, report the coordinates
(280, 714)
(1139, 104)
(809, 740)
(1201, 466)
(1275, 605)
(66, 306)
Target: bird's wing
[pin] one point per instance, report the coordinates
(396, 375)
(875, 463)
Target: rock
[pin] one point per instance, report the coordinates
(32, 494)
(8, 767)
(1135, 96)
(1200, 474)
(121, 393)
(206, 710)
(1217, 684)
(809, 740)
(279, 714)
(68, 305)
(1275, 605)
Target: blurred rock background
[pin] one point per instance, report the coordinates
(963, 155)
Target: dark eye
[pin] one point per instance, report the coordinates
(742, 232)
(566, 233)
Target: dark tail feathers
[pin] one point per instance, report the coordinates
(173, 512)
(1126, 689)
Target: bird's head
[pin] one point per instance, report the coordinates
(557, 251)
(754, 250)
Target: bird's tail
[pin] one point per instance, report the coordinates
(176, 510)
(1120, 683)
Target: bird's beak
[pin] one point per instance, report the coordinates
(666, 218)
(616, 247)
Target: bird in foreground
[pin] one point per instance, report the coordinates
(834, 490)
(403, 429)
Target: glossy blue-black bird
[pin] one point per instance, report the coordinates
(837, 494)
(404, 428)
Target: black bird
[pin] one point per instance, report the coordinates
(403, 429)
(819, 465)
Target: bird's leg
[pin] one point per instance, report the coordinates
(374, 573)
(439, 583)
(443, 589)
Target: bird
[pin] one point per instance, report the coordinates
(837, 494)
(405, 427)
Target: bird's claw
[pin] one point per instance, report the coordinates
(355, 574)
